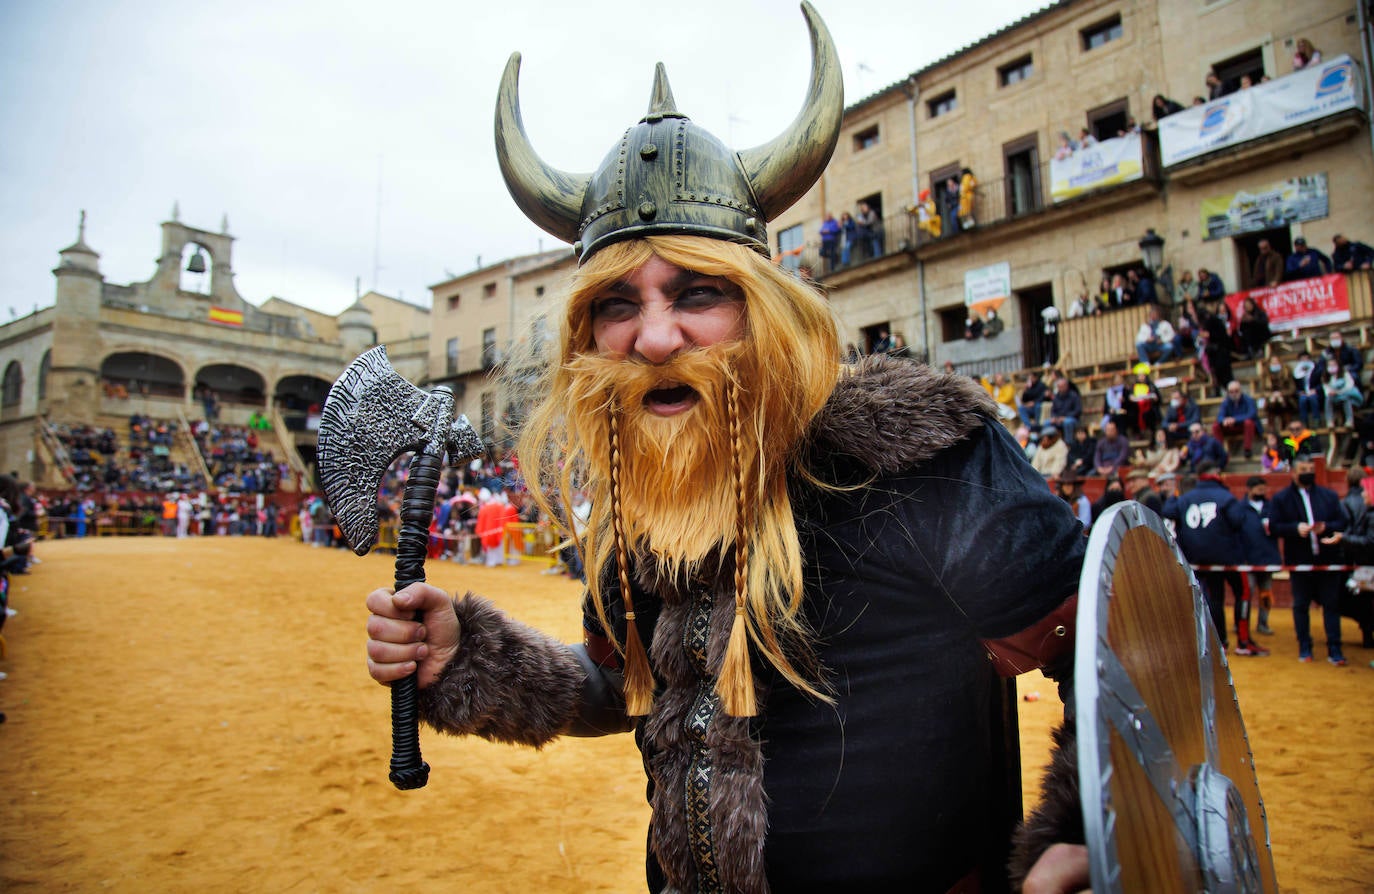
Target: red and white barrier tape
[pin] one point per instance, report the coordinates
(1274, 567)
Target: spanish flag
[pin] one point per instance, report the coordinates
(226, 316)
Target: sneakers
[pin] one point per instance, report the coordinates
(1264, 629)
(1305, 657)
(1251, 648)
(1337, 660)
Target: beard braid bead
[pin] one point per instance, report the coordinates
(639, 679)
(735, 686)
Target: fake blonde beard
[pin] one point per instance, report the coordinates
(678, 496)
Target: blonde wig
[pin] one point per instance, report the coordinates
(732, 452)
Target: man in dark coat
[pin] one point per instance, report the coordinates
(1302, 514)
(1349, 255)
(1304, 262)
(1262, 582)
(1214, 528)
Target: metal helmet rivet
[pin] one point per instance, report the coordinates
(647, 210)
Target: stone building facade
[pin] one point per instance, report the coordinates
(104, 351)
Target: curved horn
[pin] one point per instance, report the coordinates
(783, 170)
(549, 197)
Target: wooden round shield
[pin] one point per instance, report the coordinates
(1170, 798)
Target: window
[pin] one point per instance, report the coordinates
(952, 323)
(1021, 161)
(1015, 72)
(453, 301)
(1248, 64)
(489, 290)
(942, 104)
(489, 353)
(488, 416)
(451, 356)
(790, 247)
(939, 190)
(866, 138)
(1103, 32)
(1106, 121)
(13, 388)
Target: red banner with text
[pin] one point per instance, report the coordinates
(1318, 301)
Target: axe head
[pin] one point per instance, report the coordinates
(373, 415)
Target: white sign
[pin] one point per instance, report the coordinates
(1303, 96)
(986, 285)
(1109, 162)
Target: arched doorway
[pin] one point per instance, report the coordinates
(230, 385)
(12, 389)
(134, 374)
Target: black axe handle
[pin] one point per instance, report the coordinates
(408, 769)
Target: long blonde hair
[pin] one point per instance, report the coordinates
(787, 368)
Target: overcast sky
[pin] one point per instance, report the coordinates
(287, 116)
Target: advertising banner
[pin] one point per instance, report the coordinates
(1269, 206)
(1297, 98)
(1318, 301)
(987, 287)
(1101, 164)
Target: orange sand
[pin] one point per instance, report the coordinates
(196, 716)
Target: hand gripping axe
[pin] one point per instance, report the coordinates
(372, 416)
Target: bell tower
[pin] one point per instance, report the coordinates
(74, 377)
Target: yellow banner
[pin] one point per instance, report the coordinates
(226, 316)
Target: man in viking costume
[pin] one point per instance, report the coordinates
(804, 578)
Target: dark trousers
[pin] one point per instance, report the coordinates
(1214, 586)
(1323, 587)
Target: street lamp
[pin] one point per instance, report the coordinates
(1152, 251)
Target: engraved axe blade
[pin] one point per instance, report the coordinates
(373, 415)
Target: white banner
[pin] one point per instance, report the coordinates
(987, 286)
(1289, 101)
(1102, 164)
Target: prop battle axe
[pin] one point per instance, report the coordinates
(372, 416)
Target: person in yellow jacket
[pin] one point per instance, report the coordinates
(967, 184)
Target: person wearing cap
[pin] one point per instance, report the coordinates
(1347, 255)
(1051, 454)
(1070, 489)
(792, 564)
(1304, 262)
(1214, 528)
(1140, 489)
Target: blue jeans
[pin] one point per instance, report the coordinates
(1309, 406)
(1066, 426)
(1031, 417)
(1317, 586)
(1165, 351)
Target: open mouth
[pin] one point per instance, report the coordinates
(671, 400)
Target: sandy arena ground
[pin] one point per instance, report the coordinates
(196, 716)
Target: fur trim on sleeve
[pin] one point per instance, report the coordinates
(508, 682)
(893, 414)
(1058, 818)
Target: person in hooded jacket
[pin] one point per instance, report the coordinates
(1358, 541)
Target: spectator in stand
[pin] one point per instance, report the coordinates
(1083, 306)
(1216, 348)
(1202, 447)
(1347, 255)
(1210, 288)
(1051, 454)
(967, 185)
(1067, 147)
(1185, 290)
(1185, 335)
(1113, 452)
(1142, 286)
(1154, 343)
(1214, 528)
(1112, 494)
(1115, 407)
(1001, 390)
(1281, 390)
(1032, 396)
(1308, 376)
(863, 243)
(1304, 262)
(1086, 139)
(1345, 354)
(1066, 407)
(1300, 440)
(1157, 459)
(1142, 401)
(870, 222)
(1341, 392)
(1305, 54)
(1082, 450)
(973, 327)
(1238, 416)
(1268, 267)
(1164, 107)
(830, 241)
(1304, 516)
(1252, 332)
(1071, 491)
(949, 214)
(1180, 416)
(1215, 88)
(850, 229)
(1274, 456)
(1120, 294)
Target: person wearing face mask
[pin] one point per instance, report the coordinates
(1302, 515)
(1181, 415)
(1358, 543)
(1344, 354)
(1308, 375)
(1342, 393)
(1070, 490)
(1262, 582)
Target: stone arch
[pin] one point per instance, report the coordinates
(232, 383)
(299, 391)
(12, 388)
(143, 373)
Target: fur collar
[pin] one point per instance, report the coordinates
(893, 414)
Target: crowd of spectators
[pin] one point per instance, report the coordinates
(235, 461)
